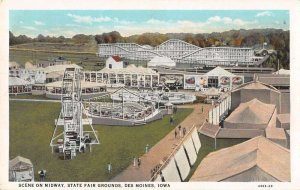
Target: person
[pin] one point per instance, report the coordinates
(171, 120)
(42, 174)
(202, 109)
(184, 131)
(109, 167)
(134, 161)
(175, 133)
(180, 133)
(147, 148)
(139, 162)
(179, 127)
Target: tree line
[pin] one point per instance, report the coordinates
(276, 39)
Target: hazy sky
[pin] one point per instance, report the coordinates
(129, 22)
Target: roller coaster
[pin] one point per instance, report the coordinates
(183, 53)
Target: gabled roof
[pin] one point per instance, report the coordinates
(253, 112)
(259, 152)
(15, 81)
(20, 163)
(116, 58)
(219, 71)
(256, 85)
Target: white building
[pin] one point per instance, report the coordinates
(131, 76)
(114, 62)
(161, 61)
(217, 78)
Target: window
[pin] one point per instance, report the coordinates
(110, 66)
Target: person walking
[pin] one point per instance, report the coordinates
(147, 148)
(175, 133)
(184, 131)
(180, 133)
(139, 162)
(202, 109)
(134, 161)
(172, 120)
(109, 168)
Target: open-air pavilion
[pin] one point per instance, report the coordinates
(19, 86)
(21, 169)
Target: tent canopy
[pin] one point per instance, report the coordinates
(282, 72)
(260, 152)
(219, 71)
(20, 163)
(161, 61)
(252, 112)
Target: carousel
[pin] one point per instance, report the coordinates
(155, 96)
(137, 110)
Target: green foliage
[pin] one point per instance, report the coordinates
(276, 39)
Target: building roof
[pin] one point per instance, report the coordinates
(55, 74)
(274, 79)
(130, 69)
(57, 68)
(84, 84)
(29, 65)
(209, 130)
(256, 85)
(161, 61)
(283, 118)
(14, 64)
(275, 133)
(257, 152)
(252, 112)
(20, 163)
(15, 81)
(219, 71)
(239, 133)
(116, 58)
(282, 72)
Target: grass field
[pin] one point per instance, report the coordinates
(81, 54)
(89, 61)
(29, 96)
(31, 127)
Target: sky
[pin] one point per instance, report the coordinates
(129, 22)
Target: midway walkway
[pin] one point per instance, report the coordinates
(161, 151)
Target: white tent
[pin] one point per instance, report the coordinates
(218, 71)
(257, 159)
(20, 169)
(161, 61)
(282, 72)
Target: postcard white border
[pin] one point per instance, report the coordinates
(292, 5)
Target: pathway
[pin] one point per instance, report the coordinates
(163, 148)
